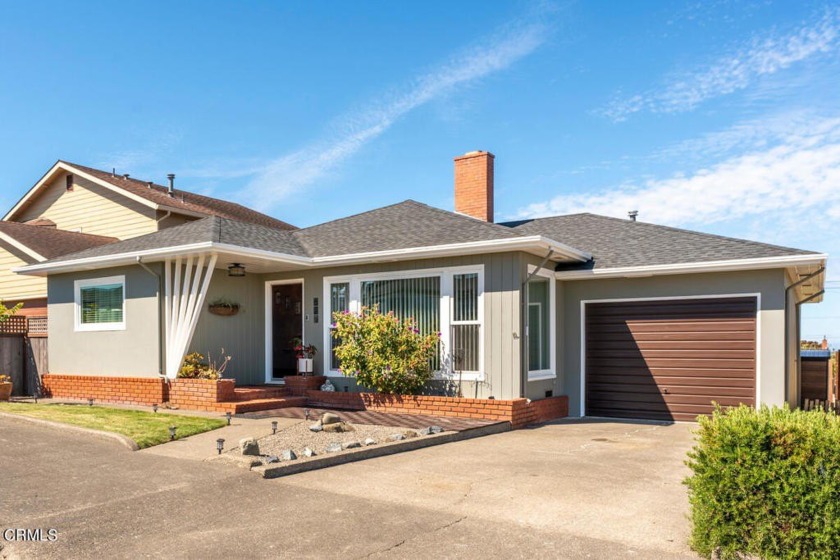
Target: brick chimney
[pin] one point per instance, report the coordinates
(474, 185)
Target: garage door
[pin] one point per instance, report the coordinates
(668, 360)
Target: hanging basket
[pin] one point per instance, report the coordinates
(224, 310)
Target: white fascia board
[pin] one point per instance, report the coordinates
(21, 247)
(698, 267)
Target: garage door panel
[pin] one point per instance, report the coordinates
(672, 389)
(720, 344)
(669, 359)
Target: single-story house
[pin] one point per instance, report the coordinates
(628, 319)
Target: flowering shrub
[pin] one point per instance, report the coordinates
(5, 379)
(383, 352)
(195, 367)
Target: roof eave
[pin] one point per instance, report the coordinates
(696, 267)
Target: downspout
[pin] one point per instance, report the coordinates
(145, 267)
(523, 326)
(787, 326)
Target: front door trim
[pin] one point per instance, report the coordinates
(269, 325)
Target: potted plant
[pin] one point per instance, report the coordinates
(298, 385)
(305, 354)
(223, 307)
(5, 387)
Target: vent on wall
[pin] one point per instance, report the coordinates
(69, 182)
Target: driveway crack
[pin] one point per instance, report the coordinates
(402, 542)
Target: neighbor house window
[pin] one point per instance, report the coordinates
(100, 304)
(540, 327)
(445, 301)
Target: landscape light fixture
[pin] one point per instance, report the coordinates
(236, 270)
(228, 415)
(155, 407)
(274, 427)
(220, 444)
(90, 401)
(306, 413)
(172, 432)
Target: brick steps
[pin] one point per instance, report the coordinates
(259, 393)
(255, 405)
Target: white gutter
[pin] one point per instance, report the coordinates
(498, 245)
(698, 267)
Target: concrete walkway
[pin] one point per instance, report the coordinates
(202, 446)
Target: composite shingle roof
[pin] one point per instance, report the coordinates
(50, 242)
(617, 243)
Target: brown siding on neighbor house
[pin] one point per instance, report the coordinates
(668, 360)
(815, 379)
(90, 208)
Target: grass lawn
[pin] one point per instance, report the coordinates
(146, 428)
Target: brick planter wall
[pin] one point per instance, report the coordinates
(201, 394)
(519, 412)
(128, 390)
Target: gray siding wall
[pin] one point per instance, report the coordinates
(243, 335)
(133, 352)
(769, 283)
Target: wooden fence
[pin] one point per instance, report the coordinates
(23, 352)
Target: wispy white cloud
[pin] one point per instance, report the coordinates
(795, 171)
(138, 159)
(290, 173)
(760, 56)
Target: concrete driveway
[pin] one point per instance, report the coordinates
(563, 490)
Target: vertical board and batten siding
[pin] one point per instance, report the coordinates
(15, 286)
(670, 359)
(90, 208)
(769, 284)
(240, 335)
(502, 277)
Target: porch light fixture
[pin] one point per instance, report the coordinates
(220, 444)
(228, 415)
(172, 432)
(274, 427)
(236, 270)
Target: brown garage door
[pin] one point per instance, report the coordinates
(668, 360)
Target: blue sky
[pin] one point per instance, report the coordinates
(720, 116)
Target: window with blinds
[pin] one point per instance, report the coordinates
(100, 303)
(466, 328)
(339, 301)
(407, 298)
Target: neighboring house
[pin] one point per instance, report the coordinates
(626, 318)
(73, 207)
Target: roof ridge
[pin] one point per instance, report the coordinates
(666, 227)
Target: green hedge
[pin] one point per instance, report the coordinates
(766, 483)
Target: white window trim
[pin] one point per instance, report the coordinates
(551, 372)
(446, 301)
(583, 302)
(78, 285)
(269, 325)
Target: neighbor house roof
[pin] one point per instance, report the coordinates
(41, 243)
(615, 243)
(156, 196)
